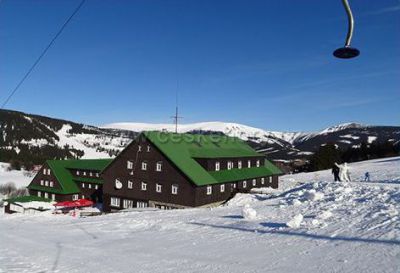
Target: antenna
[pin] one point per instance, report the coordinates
(176, 117)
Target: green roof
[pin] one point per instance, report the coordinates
(61, 170)
(183, 149)
(94, 180)
(25, 199)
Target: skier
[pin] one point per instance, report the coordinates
(344, 172)
(366, 177)
(335, 172)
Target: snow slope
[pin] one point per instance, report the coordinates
(310, 224)
(19, 178)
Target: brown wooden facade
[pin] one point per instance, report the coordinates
(155, 187)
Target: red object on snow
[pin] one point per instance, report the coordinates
(74, 204)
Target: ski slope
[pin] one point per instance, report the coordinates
(310, 224)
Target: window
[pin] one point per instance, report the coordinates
(129, 165)
(84, 173)
(89, 186)
(174, 189)
(217, 166)
(144, 165)
(46, 195)
(248, 163)
(53, 197)
(83, 185)
(96, 186)
(44, 171)
(90, 174)
(222, 188)
(254, 182)
(114, 202)
(77, 173)
(148, 148)
(75, 197)
(234, 185)
(244, 184)
(48, 171)
(130, 184)
(51, 184)
(158, 187)
(41, 183)
(141, 204)
(230, 165)
(270, 179)
(262, 180)
(97, 174)
(46, 183)
(239, 164)
(258, 163)
(127, 204)
(139, 148)
(39, 194)
(83, 196)
(209, 190)
(144, 186)
(159, 166)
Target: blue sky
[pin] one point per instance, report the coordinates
(266, 64)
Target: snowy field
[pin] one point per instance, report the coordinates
(311, 224)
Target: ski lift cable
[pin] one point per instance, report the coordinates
(42, 54)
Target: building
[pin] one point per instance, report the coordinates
(169, 170)
(27, 204)
(65, 180)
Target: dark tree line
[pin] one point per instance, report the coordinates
(328, 154)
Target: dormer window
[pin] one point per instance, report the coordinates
(84, 173)
(248, 163)
(90, 174)
(77, 173)
(217, 166)
(144, 165)
(129, 165)
(258, 163)
(230, 165)
(97, 175)
(239, 164)
(159, 166)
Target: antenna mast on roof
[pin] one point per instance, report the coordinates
(176, 117)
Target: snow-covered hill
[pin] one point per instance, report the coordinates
(310, 224)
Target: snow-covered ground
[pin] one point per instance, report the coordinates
(310, 224)
(19, 178)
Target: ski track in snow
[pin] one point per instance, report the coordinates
(345, 227)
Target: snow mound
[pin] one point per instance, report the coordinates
(249, 213)
(296, 221)
(313, 195)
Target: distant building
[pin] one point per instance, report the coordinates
(65, 180)
(169, 170)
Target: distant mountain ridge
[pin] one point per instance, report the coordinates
(282, 145)
(37, 138)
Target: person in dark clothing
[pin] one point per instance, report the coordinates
(336, 171)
